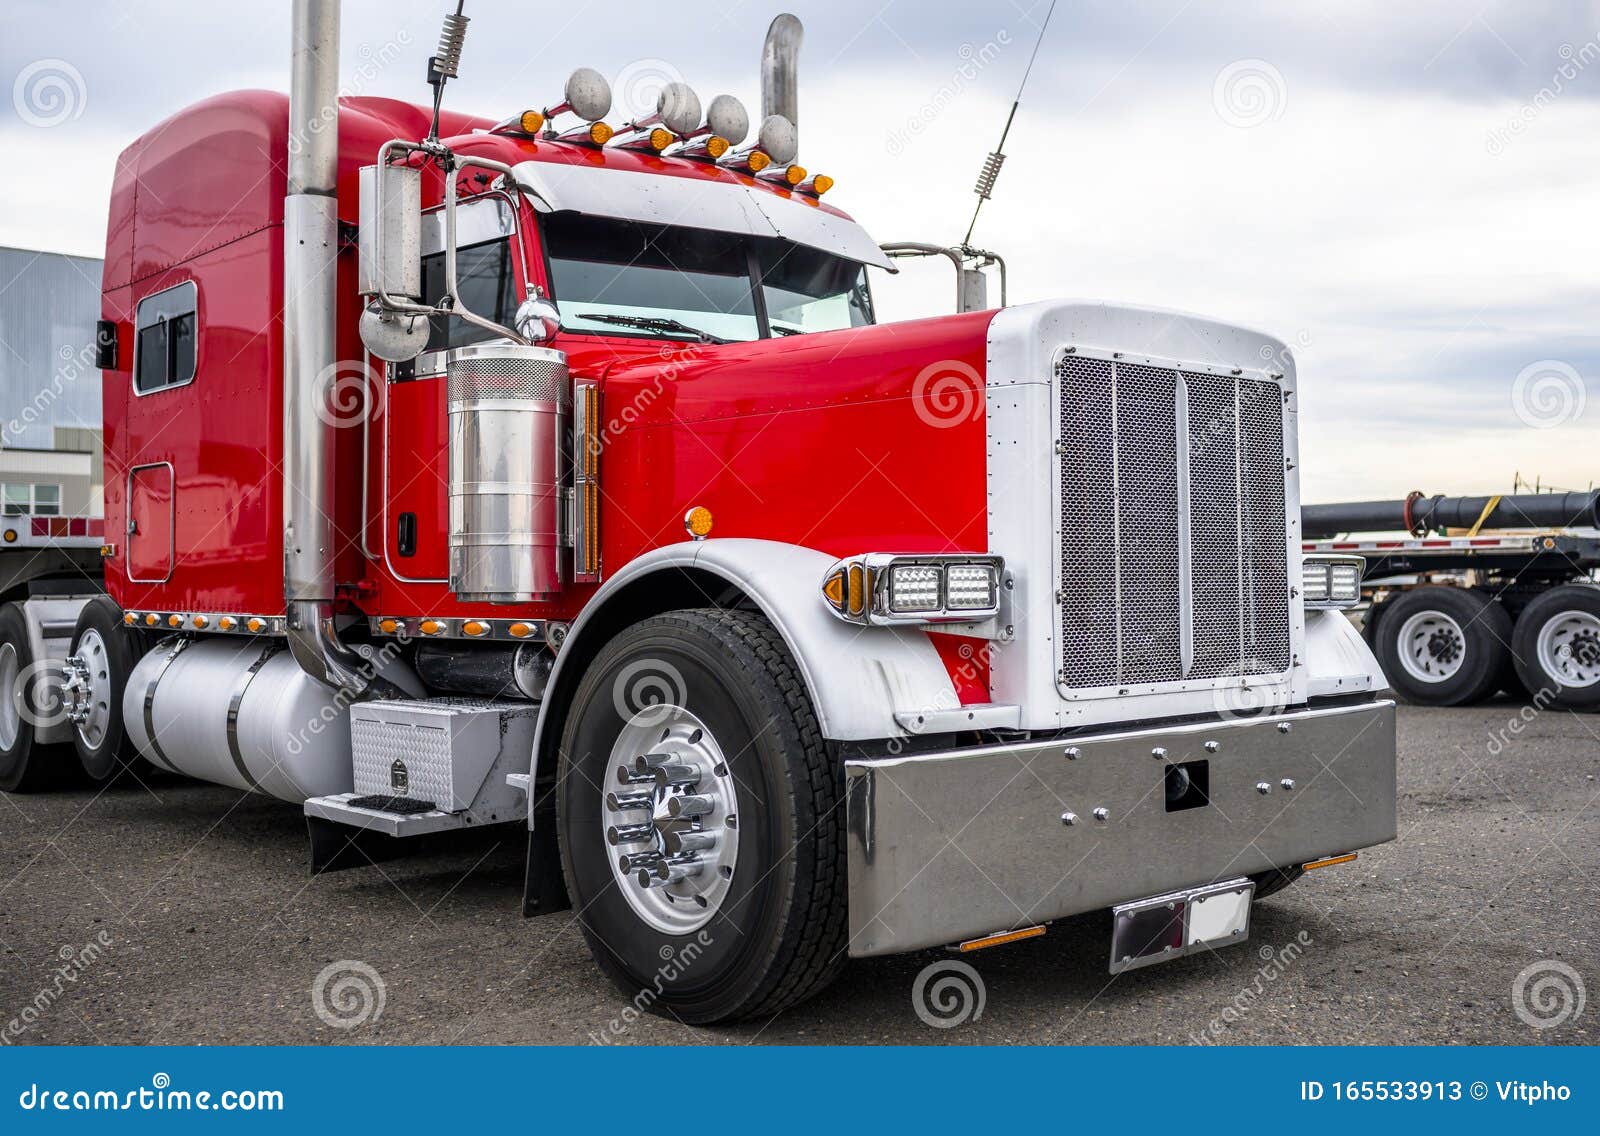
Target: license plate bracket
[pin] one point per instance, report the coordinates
(1164, 927)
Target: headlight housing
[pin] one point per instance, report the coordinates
(886, 588)
(1332, 581)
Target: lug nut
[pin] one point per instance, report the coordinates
(1069, 819)
(630, 833)
(649, 761)
(1159, 753)
(1073, 753)
(1102, 814)
(1285, 727)
(1263, 788)
(674, 775)
(1213, 747)
(622, 802)
(679, 841)
(626, 776)
(1287, 782)
(638, 861)
(690, 805)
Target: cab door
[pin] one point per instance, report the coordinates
(150, 523)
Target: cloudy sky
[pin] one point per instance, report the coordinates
(1406, 193)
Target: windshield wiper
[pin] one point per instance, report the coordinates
(652, 323)
(787, 330)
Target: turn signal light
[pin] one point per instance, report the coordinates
(1329, 862)
(697, 521)
(883, 588)
(794, 175)
(817, 186)
(1002, 938)
(590, 134)
(532, 122)
(716, 145)
(757, 161)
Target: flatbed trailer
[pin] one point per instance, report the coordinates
(1457, 619)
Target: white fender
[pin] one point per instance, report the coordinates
(858, 677)
(1338, 660)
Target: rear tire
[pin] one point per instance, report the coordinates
(1274, 880)
(1556, 644)
(25, 765)
(775, 927)
(110, 651)
(1443, 646)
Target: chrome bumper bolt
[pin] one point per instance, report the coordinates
(1213, 747)
(1263, 788)
(1102, 815)
(1287, 782)
(1069, 819)
(1073, 753)
(1285, 727)
(1159, 753)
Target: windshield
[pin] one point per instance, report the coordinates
(623, 277)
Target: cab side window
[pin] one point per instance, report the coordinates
(166, 330)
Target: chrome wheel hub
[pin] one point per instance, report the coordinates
(1569, 648)
(670, 814)
(86, 689)
(10, 697)
(1432, 646)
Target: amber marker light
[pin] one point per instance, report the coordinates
(11, 536)
(255, 624)
(833, 589)
(1001, 939)
(1329, 861)
(227, 623)
(757, 161)
(520, 630)
(174, 621)
(531, 122)
(697, 521)
(128, 619)
(475, 628)
(151, 620)
(388, 626)
(431, 627)
(201, 621)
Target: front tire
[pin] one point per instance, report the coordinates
(762, 924)
(1556, 644)
(1443, 646)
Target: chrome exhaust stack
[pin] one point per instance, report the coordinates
(780, 69)
(311, 247)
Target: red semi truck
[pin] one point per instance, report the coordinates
(532, 469)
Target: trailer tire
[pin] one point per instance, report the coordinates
(776, 929)
(1443, 646)
(25, 765)
(1556, 644)
(111, 651)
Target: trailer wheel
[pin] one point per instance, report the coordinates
(1443, 646)
(1557, 647)
(106, 652)
(699, 822)
(25, 765)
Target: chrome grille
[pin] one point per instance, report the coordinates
(1174, 561)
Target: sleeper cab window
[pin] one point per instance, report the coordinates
(166, 327)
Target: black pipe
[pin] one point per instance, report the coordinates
(1420, 515)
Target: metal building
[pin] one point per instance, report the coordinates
(50, 459)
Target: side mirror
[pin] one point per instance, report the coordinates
(394, 337)
(537, 319)
(390, 241)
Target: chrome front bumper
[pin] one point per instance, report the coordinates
(955, 845)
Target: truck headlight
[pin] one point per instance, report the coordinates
(1332, 581)
(884, 588)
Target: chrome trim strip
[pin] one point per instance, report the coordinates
(150, 703)
(234, 703)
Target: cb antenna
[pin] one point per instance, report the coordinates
(445, 63)
(991, 165)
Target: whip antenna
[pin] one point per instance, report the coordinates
(991, 165)
(445, 63)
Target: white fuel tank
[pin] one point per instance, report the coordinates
(242, 713)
